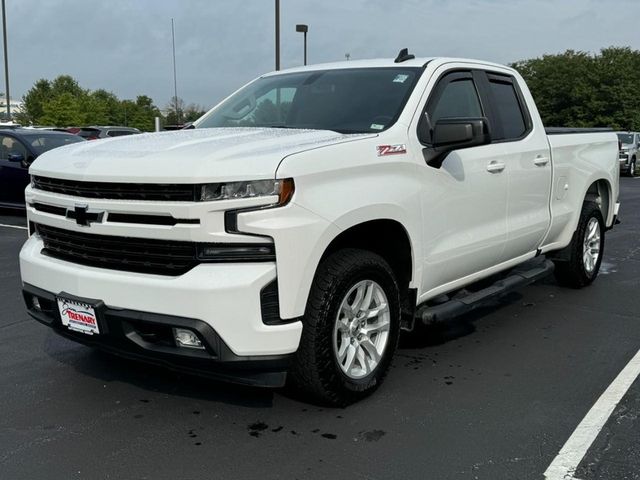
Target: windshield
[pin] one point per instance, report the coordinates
(626, 138)
(42, 143)
(355, 100)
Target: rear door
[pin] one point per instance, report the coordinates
(14, 176)
(526, 155)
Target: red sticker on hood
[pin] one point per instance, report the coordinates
(391, 149)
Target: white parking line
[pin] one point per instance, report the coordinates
(13, 226)
(565, 464)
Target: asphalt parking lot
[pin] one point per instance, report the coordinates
(494, 395)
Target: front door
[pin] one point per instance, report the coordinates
(464, 203)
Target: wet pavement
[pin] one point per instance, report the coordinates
(493, 395)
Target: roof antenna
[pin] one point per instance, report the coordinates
(403, 56)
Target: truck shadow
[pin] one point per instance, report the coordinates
(157, 380)
(440, 333)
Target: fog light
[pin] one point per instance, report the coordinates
(186, 338)
(36, 304)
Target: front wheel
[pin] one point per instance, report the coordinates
(585, 251)
(632, 168)
(351, 328)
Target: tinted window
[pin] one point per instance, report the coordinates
(626, 138)
(42, 143)
(344, 100)
(89, 133)
(458, 99)
(11, 146)
(120, 133)
(505, 101)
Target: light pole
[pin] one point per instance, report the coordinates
(6, 62)
(277, 34)
(175, 81)
(304, 29)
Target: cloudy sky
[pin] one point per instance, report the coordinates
(125, 45)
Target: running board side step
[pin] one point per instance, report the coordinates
(460, 304)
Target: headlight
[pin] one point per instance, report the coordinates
(283, 189)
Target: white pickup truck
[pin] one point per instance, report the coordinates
(310, 217)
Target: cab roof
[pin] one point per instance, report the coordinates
(417, 62)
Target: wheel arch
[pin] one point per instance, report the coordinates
(600, 193)
(385, 237)
(390, 239)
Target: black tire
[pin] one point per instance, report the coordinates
(315, 372)
(572, 272)
(632, 168)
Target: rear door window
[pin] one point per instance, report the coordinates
(508, 107)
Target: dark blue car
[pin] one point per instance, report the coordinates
(19, 147)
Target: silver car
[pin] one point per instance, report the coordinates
(629, 145)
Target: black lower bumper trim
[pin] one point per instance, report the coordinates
(148, 337)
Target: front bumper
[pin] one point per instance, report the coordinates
(226, 297)
(148, 337)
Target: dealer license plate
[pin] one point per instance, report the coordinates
(78, 316)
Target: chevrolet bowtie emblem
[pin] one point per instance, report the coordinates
(82, 215)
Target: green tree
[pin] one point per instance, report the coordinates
(586, 90)
(44, 103)
(62, 110)
(66, 84)
(144, 113)
(106, 109)
(174, 111)
(33, 102)
(63, 102)
(192, 112)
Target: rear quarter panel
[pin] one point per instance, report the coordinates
(579, 160)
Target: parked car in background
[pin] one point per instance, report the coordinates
(19, 147)
(629, 145)
(94, 133)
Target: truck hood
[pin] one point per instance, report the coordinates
(185, 156)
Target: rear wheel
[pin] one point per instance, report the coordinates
(351, 328)
(586, 249)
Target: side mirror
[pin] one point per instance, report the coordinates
(15, 157)
(451, 134)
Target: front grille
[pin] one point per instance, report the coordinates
(140, 255)
(119, 191)
(137, 218)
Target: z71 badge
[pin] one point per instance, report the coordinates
(391, 149)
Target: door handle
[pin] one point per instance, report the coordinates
(495, 167)
(541, 161)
